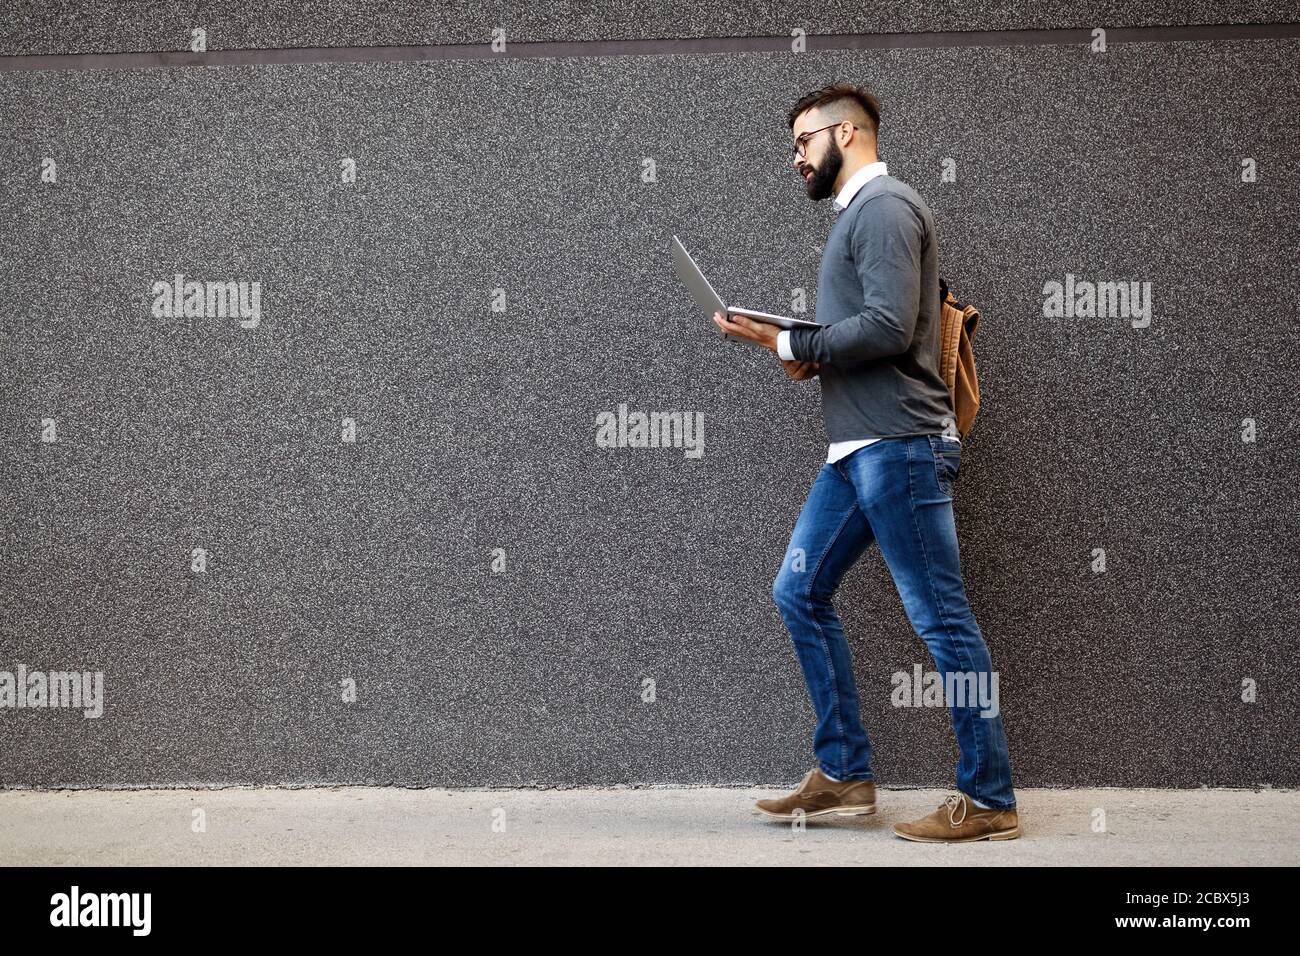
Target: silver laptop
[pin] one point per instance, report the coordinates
(704, 296)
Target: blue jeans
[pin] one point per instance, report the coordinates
(896, 492)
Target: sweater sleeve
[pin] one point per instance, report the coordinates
(886, 240)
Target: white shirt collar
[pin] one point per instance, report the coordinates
(857, 181)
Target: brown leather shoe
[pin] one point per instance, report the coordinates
(818, 795)
(959, 821)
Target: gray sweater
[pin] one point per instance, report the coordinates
(878, 298)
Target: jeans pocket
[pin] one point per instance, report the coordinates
(947, 462)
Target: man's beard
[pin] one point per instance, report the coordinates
(822, 182)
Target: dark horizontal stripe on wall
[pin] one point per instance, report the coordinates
(483, 51)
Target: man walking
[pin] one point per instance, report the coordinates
(888, 475)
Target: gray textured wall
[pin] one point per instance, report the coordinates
(371, 560)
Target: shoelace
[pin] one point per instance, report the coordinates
(951, 802)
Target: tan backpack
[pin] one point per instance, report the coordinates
(957, 356)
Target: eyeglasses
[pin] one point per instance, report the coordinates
(798, 148)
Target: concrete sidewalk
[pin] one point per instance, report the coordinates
(697, 826)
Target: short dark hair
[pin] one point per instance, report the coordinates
(842, 101)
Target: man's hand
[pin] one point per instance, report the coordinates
(800, 370)
(747, 328)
